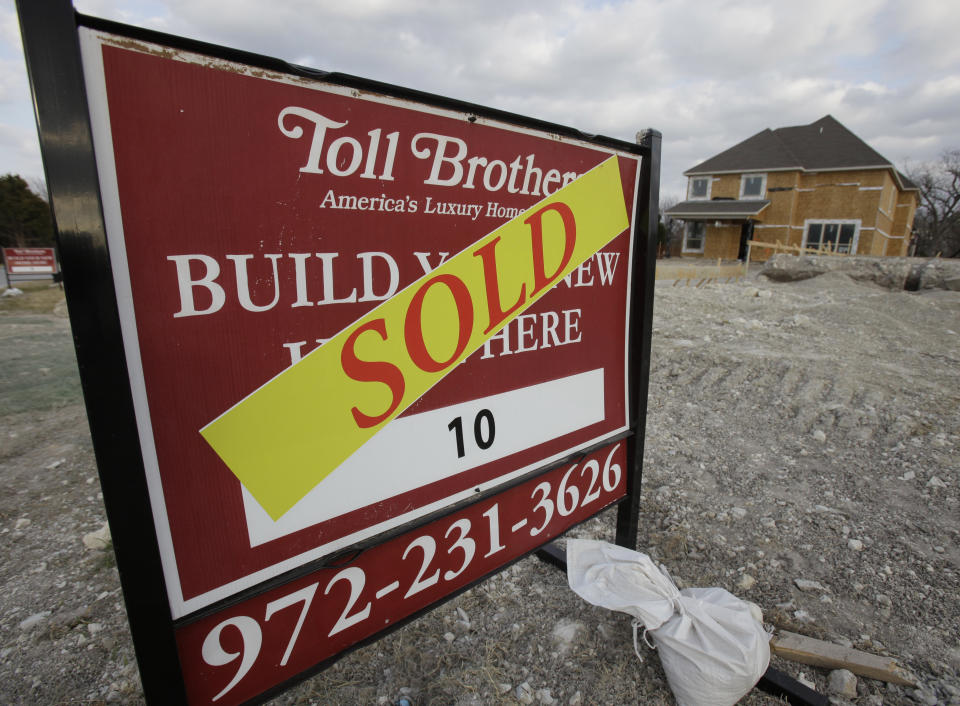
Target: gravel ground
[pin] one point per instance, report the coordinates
(806, 431)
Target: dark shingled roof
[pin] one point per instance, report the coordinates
(825, 144)
(719, 208)
(907, 181)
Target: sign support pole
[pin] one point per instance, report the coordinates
(641, 326)
(52, 53)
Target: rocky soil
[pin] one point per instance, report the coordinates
(803, 452)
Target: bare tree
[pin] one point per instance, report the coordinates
(937, 223)
(38, 185)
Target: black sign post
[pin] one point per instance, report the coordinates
(50, 45)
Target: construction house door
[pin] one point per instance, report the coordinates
(746, 233)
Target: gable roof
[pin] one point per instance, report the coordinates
(820, 146)
(763, 151)
(908, 183)
(718, 208)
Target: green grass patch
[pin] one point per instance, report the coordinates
(37, 297)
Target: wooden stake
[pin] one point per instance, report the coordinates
(806, 650)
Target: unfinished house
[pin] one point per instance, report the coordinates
(810, 186)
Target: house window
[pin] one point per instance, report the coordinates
(693, 236)
(837, 236)
(753, 186)
(699, 188)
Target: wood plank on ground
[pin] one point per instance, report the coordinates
(817, 653)
(698, 272)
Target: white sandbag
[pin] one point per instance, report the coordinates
(712, 647)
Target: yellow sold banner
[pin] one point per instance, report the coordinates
(291, 433)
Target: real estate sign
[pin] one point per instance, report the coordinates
(356, 323)
(30, 261)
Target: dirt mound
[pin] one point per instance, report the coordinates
(909, 273)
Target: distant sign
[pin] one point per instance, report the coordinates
(378, 346)
(30, 261)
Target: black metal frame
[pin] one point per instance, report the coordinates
(641, 328)
(51, 47)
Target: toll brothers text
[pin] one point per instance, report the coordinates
(373, 155)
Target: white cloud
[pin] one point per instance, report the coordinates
(708, 75)
(9, 28)
(21, 152)
(13, 81)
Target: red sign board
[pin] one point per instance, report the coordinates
(378, 344)
(30, 261)
(471, 296)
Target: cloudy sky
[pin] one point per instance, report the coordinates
(706, 74)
